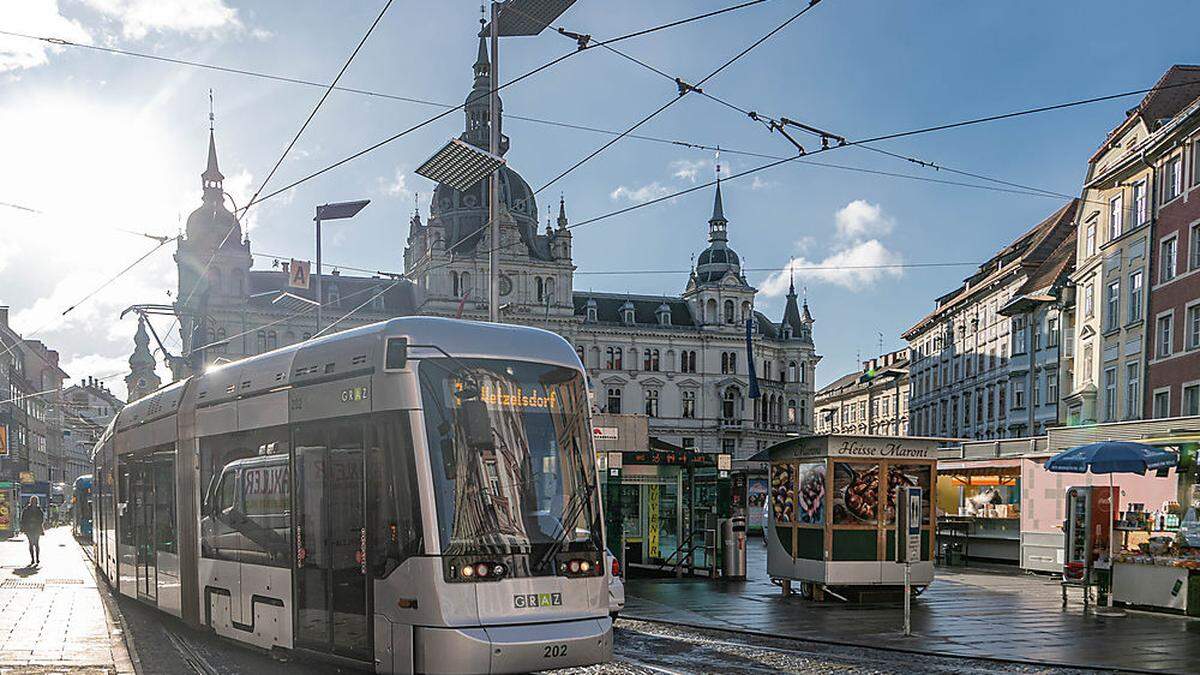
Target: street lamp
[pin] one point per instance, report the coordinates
(334, 211)
(509, 18)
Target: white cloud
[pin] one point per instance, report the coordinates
(40, 18)
(638, 195)
(860, 219)
(141, 17)
(856, 260)
(398, 186)
(758, 183)
(687, 169)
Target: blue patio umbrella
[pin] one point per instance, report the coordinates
(1112, 457)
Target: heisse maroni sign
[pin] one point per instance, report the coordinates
(849, 448)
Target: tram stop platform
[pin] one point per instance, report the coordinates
(53, 618)
(991, 614)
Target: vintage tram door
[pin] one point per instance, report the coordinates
(331, 580)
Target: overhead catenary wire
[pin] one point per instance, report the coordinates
(683, 89)
(499, 87)
(313, 113)
(87, 297)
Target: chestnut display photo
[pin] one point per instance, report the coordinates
(855, 493)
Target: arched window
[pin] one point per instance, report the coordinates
(733, 363)
(614, 355)
(710, 312)
(272, 340)
(262, 341)
(724, 362)
(791, 411)
(728, 311)
(235, 283)
(729, 403)
(550, 289)
(745, 311)
(651, 403)
(455, 289)
(579, 353)
(791, 371)
(650, 359)
(464, 285)
(591, 313)
(539, 289)
(688, 399)
(594, 361)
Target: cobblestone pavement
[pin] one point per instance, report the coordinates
(53, 617)
(643, 647)
(965, 612)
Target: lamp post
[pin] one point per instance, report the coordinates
(333, 211)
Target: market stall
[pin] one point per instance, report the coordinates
(833, 508)
(979, 509)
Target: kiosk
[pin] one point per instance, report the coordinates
(832, 509)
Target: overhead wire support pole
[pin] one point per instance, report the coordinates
(494, 179)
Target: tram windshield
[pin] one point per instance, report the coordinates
(531, 487)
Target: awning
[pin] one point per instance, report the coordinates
(979, 466)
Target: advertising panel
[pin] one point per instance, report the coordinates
(783, 493)
(810, 494)
(855, 493)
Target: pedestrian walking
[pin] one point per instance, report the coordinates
(33, 521)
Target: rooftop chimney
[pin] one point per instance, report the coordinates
(4, 315)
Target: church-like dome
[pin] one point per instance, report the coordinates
(463, 213)
(718, 260)
(212, 223)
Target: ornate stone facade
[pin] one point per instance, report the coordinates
(680, 359)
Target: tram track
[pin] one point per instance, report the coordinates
(190, 655)
(760, 652)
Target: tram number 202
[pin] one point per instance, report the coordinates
(554, 651)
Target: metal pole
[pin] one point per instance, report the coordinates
(318, 279)
(907, 601)
(494, 180)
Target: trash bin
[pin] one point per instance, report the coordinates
(733, 538)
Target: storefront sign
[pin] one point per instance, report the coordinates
(853, 448)
(26, 477)
(605, 433)
(3, 440)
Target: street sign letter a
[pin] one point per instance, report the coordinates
(298, 274)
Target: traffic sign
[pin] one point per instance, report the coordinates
(298, 274)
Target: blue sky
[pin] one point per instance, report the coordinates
(100, 143)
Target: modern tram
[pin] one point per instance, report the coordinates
(81, 507)
(417, 495)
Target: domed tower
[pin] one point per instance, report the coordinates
(213, 258)
(451, 259)
(463, 214)
(718, 290)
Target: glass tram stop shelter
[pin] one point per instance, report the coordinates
(669, 511)
(832, 517)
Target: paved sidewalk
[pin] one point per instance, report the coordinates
(965, 613)
(52, 617)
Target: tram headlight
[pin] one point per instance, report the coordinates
(585, 566)
(468, 571)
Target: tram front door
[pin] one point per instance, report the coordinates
(331, 599)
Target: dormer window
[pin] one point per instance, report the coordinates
(627, 313)
(787, 331)
(664, 315)
(591, 311)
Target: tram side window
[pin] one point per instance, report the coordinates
(125, 509)
(393, 500)
(247, 507)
